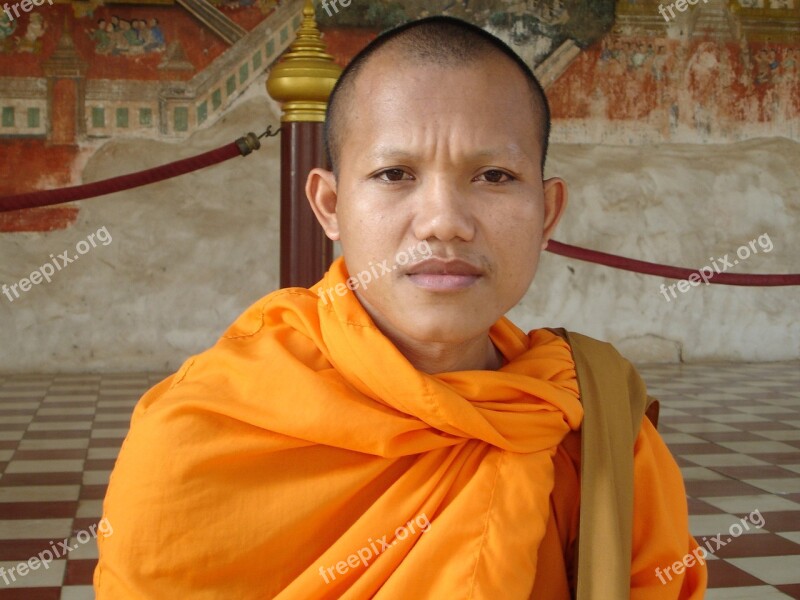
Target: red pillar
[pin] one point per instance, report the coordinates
(306, 252)
(302, 82)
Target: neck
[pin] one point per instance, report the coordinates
(478, 353)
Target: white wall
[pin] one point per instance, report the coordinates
(678, 205)
(189, 254)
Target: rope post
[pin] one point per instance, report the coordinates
(302, 82)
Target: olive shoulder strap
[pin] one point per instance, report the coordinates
(614, 401)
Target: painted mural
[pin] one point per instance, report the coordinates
(723, 72)
(75, 74)
(633, 71)
(534, 28)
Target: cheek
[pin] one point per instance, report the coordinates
(516, 246)
(369, 242)
(360, 230)
(517, 232)
(369, 250)
(372, 232)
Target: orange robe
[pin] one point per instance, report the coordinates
(304, 457)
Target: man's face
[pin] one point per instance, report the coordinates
(450, 157)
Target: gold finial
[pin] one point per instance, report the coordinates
(303, 80)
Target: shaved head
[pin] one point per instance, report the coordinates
(436, 41)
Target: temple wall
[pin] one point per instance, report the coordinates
(186, 256)
(679, 160)
(686, 205)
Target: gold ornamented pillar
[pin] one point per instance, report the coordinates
(302, 82)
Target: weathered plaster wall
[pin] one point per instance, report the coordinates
(680, 205)
(188, 255)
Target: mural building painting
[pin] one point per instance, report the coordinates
(617, 72)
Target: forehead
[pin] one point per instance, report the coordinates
(485, 100)
(393, 62)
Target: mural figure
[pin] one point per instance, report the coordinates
(791, 64)
(127, 37)
(764, 67)
(31, 41)
(101, 36)
(7, 27)
(154, 37)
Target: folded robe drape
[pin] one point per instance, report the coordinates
(304, 457)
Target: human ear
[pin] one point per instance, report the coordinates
(555, 202)
(322, 196)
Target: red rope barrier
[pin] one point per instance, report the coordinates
(648, 268)
(245, 145)
(241, 147)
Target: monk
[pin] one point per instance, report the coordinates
(388, 433)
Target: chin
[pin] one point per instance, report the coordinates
(445, 325)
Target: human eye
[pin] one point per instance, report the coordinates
(495, 176)
(392, 175)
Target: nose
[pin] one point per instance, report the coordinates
(443, 212)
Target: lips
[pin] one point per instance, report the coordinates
(437, 274)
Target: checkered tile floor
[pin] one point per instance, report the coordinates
(734, 429)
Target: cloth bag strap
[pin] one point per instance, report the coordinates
(614, 401)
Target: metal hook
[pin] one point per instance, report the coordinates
(251, 142)
(269, 132)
